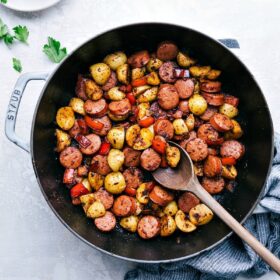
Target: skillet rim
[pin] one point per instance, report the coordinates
(57, 214)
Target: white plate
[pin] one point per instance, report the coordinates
(30, 5)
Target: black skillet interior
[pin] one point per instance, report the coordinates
(254, 116)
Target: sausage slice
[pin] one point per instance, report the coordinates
(221, 122)
(94, 146)
(105, 198)
(148, 227)
(187, 201)
(133, 177)
(160, 196)
(207, 132)
(71, 157)
(167, 51)
(212, 166)
(211, 86)
(168, 97)
(139, 59)
(150, 159)
(184, 107)
(164, 128)
(81, 88)
(99, 164)
(232, 148)
(120, 108)
(106, 223)
(123, 206)
(214, 99)
(197, 149)
(192, 135)
(107, 126)
(213, 185)
(131, 157)
(209, 113)
(166, 72)
(157, 112)
(185, 88)
(96, 108)
(111, 82)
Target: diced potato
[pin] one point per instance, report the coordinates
(77, 105)
(235, 133)
(115, 94)
(132, 134)
(86, 184)
(123, 74)
(116, 118)
(199, 71)
(184, 60)
(130, 223)
(153, 79)
(228, 110)
(180, 127)
(168, 225)
(196, 87)
(100, 72)
(153, 64)
(93, 91)
(65, 118)
(198, 169)
(139, 90)
(171, 208)
(142, 194)
(183, 223)
(115, 159)
(197, 104)
(145, 140)
(116, 136)
(63, 140)
(115, 182)
(229, 172)
(213, 74)
(96, 180)
(143, 110)
(139, 208)
(87, 200)
(137, 73)
(149, 95)
(190, 121)
(95, 210)
(116, 59)
(172, 156)
(200, 215)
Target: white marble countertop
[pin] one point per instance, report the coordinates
(34, 244)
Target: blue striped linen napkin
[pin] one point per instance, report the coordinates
(232, 257)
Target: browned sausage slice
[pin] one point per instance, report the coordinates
(197, 149)
(131, 157)
(221, 122)
(214, 99)
(232, 148)
(207, 132)
(81, 88)
(99, 164)
(209, 113)
(94, 146)
(157, 112)
(96, 108)
(184, 107)
(148, 227)
(164, 128)
(213, 185)
(192, 135)
(107, 126)
(133, 177)
(111, 82)
(167, 51)
(106, 223)
(187, 201)
(139, 59)
(160, 196)
(121, 107)
(211, 86)
(232, 100)
(166, 72)
(71, 157)
(105, 198)
(75, 129)
(185, 88)
(168, 97)
(150, 159)
(122, 206)
(212, 166)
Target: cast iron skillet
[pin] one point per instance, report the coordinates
(254, 117)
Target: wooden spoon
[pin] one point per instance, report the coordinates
(183, 178)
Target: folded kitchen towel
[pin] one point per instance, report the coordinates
(232, 257)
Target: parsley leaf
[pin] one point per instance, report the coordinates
(3, 29)
(3, 1)
(53, 50)
(17, 65)
(21, 33)
(8, 39)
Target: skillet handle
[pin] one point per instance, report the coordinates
(13, 107)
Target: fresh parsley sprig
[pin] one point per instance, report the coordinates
(17, 64)
(53, 50)
(21, 33)
(3, 1)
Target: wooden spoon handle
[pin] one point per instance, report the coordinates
(243, 233)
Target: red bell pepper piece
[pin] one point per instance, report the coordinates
(146, 122)
(139, 82)
(78, 190)
(228, 161)
(105, 148)
(130, 191)
(83, 126)
(159, 145)
(130, 96)
(93, 124)
(83, 141)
